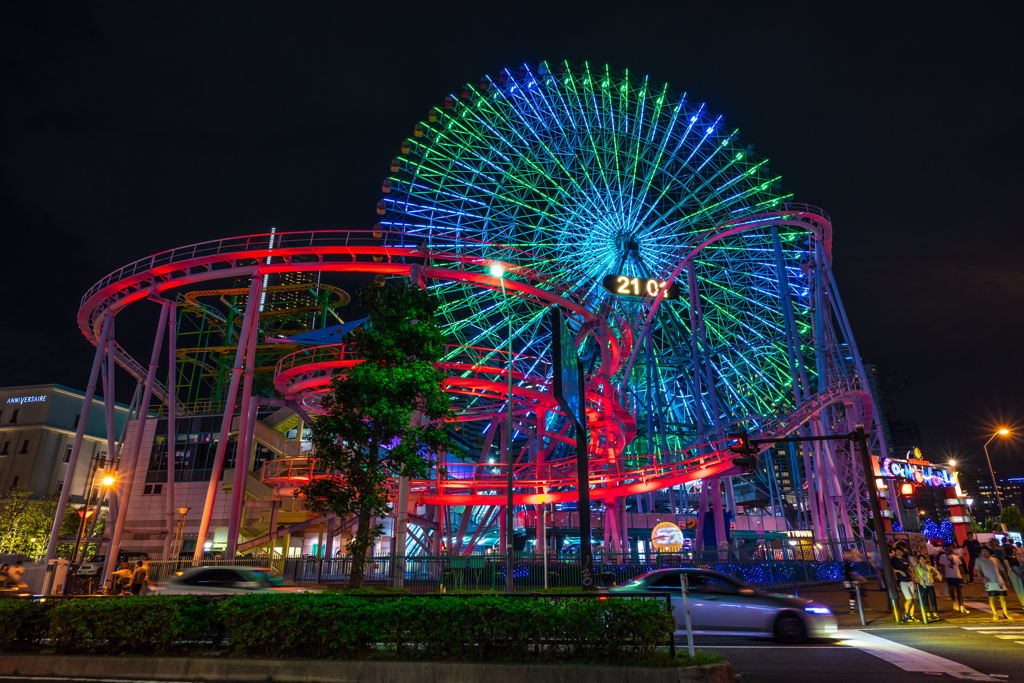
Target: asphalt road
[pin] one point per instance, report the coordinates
(985, 652)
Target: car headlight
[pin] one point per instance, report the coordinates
(818, 610)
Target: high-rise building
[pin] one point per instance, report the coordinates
(905, 437)
(883, 410)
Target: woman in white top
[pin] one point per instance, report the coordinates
(949, 565)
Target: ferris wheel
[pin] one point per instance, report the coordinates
(584, 173)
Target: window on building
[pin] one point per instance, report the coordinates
(14, 417)
(14, 483)
(147, 489)
(24, 447)
(158, 489)
(6, 448)
(77, 420)
(60, 486)
(196, 446)
(67, 454)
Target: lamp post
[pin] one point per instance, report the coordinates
(499, 272)
(995, 487)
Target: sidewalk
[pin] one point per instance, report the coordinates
(878, 615)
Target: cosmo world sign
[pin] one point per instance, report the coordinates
(923, 474)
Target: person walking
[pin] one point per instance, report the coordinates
(973, 548)
(850, 576)
(138, 578)
(949, 566)
(925, 576)
(1011, 562)
(992, 575)
(16, 572)
(902, 572)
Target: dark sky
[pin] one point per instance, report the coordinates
(130, 128)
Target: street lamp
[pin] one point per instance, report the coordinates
(498, 271)
(1002, 431)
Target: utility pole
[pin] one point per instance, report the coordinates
(876, 515)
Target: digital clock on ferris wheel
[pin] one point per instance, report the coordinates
(624, 285)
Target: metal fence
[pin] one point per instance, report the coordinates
(162, 570)
(766, 567)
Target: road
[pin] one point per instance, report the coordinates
(981, 652)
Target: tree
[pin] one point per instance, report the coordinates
(1012, 518)
(385, 416)
(25, 523)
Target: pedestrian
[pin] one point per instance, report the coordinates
(902, 572)
(138, 578)
(973, 548)
(1011, 561)
(850, 576)
(16, 572)
(875, 560)
(925, 576)
(997, 550)
(949, 566)
(991, 573)
(4, 577)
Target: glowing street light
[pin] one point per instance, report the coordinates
(108, 480)
(1002, 431)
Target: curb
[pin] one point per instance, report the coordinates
(334, 671)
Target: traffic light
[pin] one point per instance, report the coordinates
(739, 443)
(907, 493)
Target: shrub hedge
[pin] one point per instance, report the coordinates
(339, 626)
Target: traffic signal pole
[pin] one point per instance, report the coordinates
(876, 516)
(878, 522)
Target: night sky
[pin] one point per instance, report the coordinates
(126, 129)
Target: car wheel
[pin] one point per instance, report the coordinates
(790, 628)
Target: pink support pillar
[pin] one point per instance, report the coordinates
(250, 319)
(243, 463)
(702, 507)
(716, 507)
(698, 399)
(172, 422)
(69, 477)
(246, 425)
(127, 473)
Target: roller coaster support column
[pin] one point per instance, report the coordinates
(583, 486)
(401, 530)
(243, 460)
(69, 477)
(110, 413)
(127, 473)
(250, 319)
(172, 426)
(795, 361)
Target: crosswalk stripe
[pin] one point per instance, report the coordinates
(985, 629)
(906, 657)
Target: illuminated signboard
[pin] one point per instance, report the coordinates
(27, 399)
(639, 286)
(924, 475)
(667, 537)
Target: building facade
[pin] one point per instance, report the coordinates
(37, 431)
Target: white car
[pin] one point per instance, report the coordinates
(227, 581)
(721, 605)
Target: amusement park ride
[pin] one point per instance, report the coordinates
(701, 300)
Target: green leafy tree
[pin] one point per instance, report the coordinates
(1012, 518)
(25, 523)
(385, 416)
